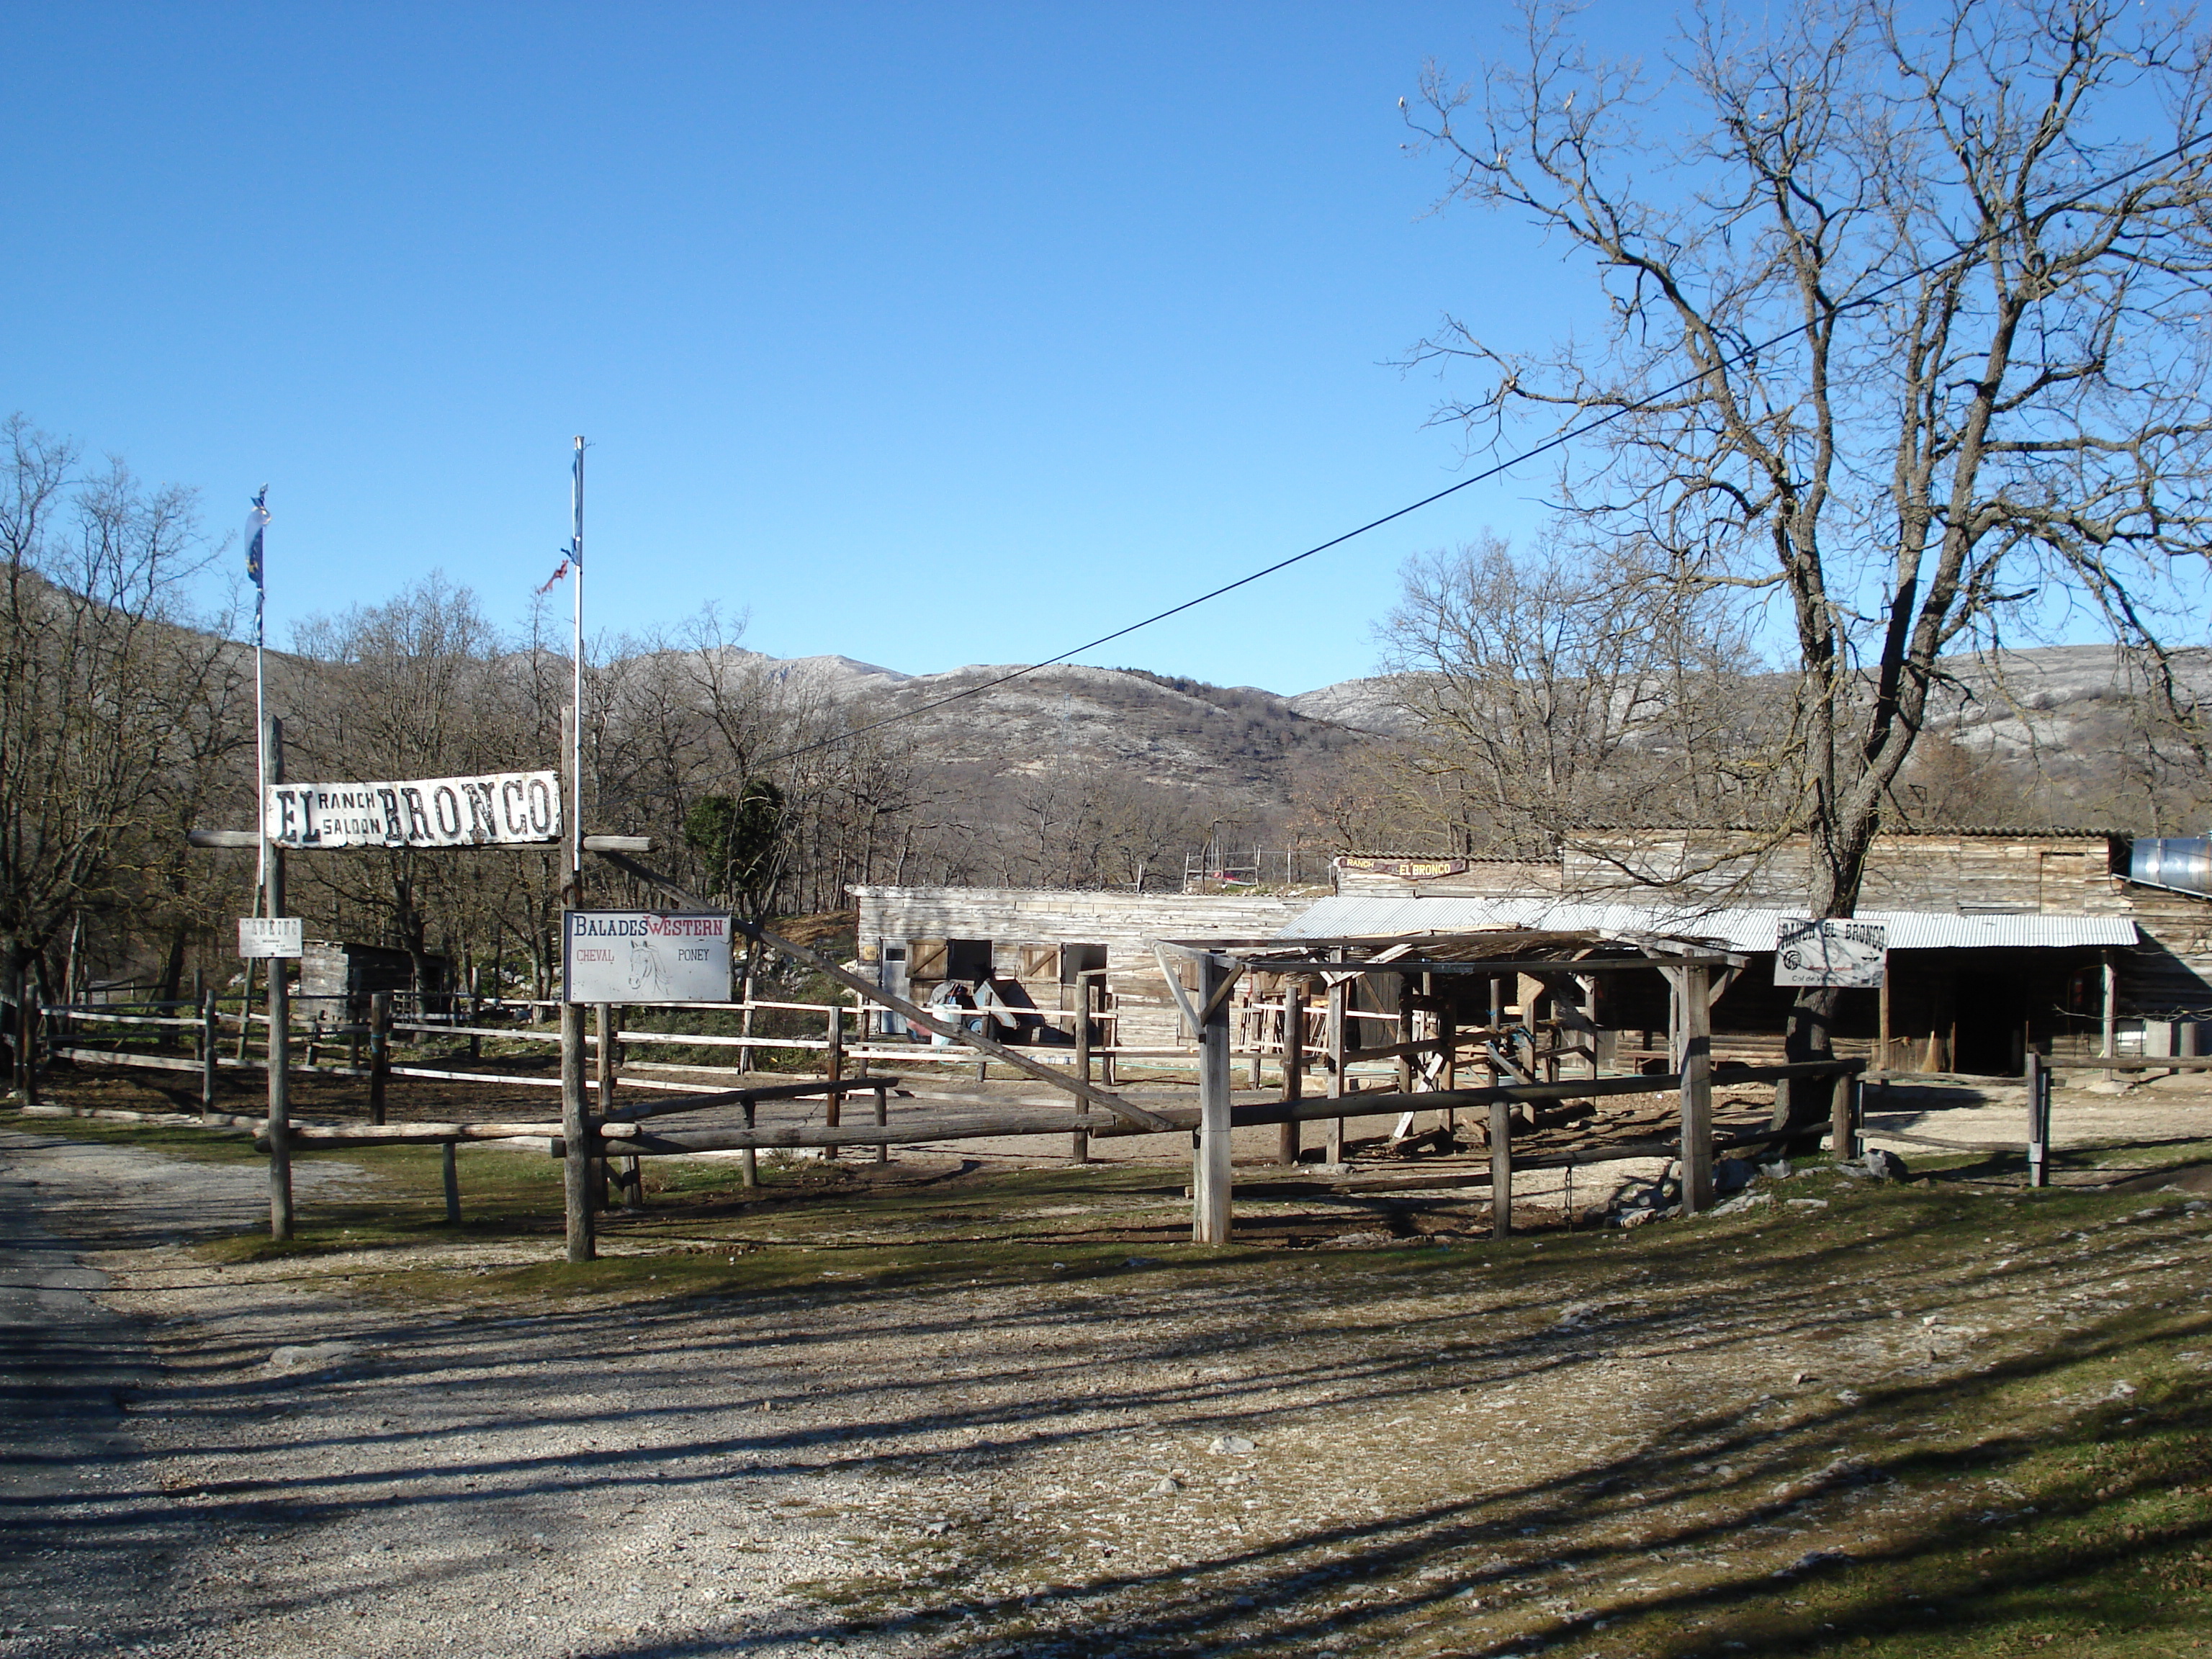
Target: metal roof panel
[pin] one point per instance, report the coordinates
(1365, 915)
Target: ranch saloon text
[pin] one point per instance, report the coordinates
(495, 809)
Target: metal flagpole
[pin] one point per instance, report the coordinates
(576, 669)
(257, 522)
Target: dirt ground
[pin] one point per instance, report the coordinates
(981, 1408)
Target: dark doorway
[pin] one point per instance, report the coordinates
(967, 958)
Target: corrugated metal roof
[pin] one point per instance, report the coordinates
(1364, 917)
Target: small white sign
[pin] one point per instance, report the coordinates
(1830, 952)
(640, 956)
(262, 937)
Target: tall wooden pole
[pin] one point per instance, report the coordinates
(1294, 1066)
(1210, 1178)
(1695, 997)
(280, 1030)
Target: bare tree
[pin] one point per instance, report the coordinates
(1903, 330)
(96, 656)
(1553, 691)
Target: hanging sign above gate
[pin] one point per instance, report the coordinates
(640, 956)
(1829, 951)
(491, 808)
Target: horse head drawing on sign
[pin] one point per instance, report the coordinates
(645, 972)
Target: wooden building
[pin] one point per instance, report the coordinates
(1035, 944)
(2000, 939)
(338, 977)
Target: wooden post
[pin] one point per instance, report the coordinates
(832, 1067)
(207, 1055)
(27, 1039)
(603, 1074)
(748, 1164)
(1405, 1032)
(245, 1008)
(379, 1053)
(1210, 1176)
(576, 1132)
(1294, 1066)
(450, 1168)
(2108, 1050)
(1257, 1012)
(1501, 1169)
(475, 1041)
(2039, 1121)
(1333, 1035)
(1078, 1146)
(1697, 1018)
(1882, 1040)
(883, 1121)
(745, 1019)
(1844, 1117)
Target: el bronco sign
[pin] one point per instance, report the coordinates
(492, 809)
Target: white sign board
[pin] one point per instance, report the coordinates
(492, 809)
(262, 937)
(1829, 951)
(640, 956)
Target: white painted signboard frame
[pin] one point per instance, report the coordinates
(1830, 951)
(644, 956)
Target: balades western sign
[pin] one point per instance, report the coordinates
(644, 956)
(493, 809)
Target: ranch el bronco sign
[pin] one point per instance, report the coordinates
(493, 809)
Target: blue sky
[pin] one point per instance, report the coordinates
(926, 335)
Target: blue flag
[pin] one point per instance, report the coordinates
(256, 522)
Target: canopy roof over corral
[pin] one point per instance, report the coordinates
(1373, 916)
(1504, 949)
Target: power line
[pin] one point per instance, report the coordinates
(1558, 440)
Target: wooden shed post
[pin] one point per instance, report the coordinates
(449, 1168)
(1695, 995)
(2038, 1120)
(1294, 1066)
(379, 1052)
(1210, 1178)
